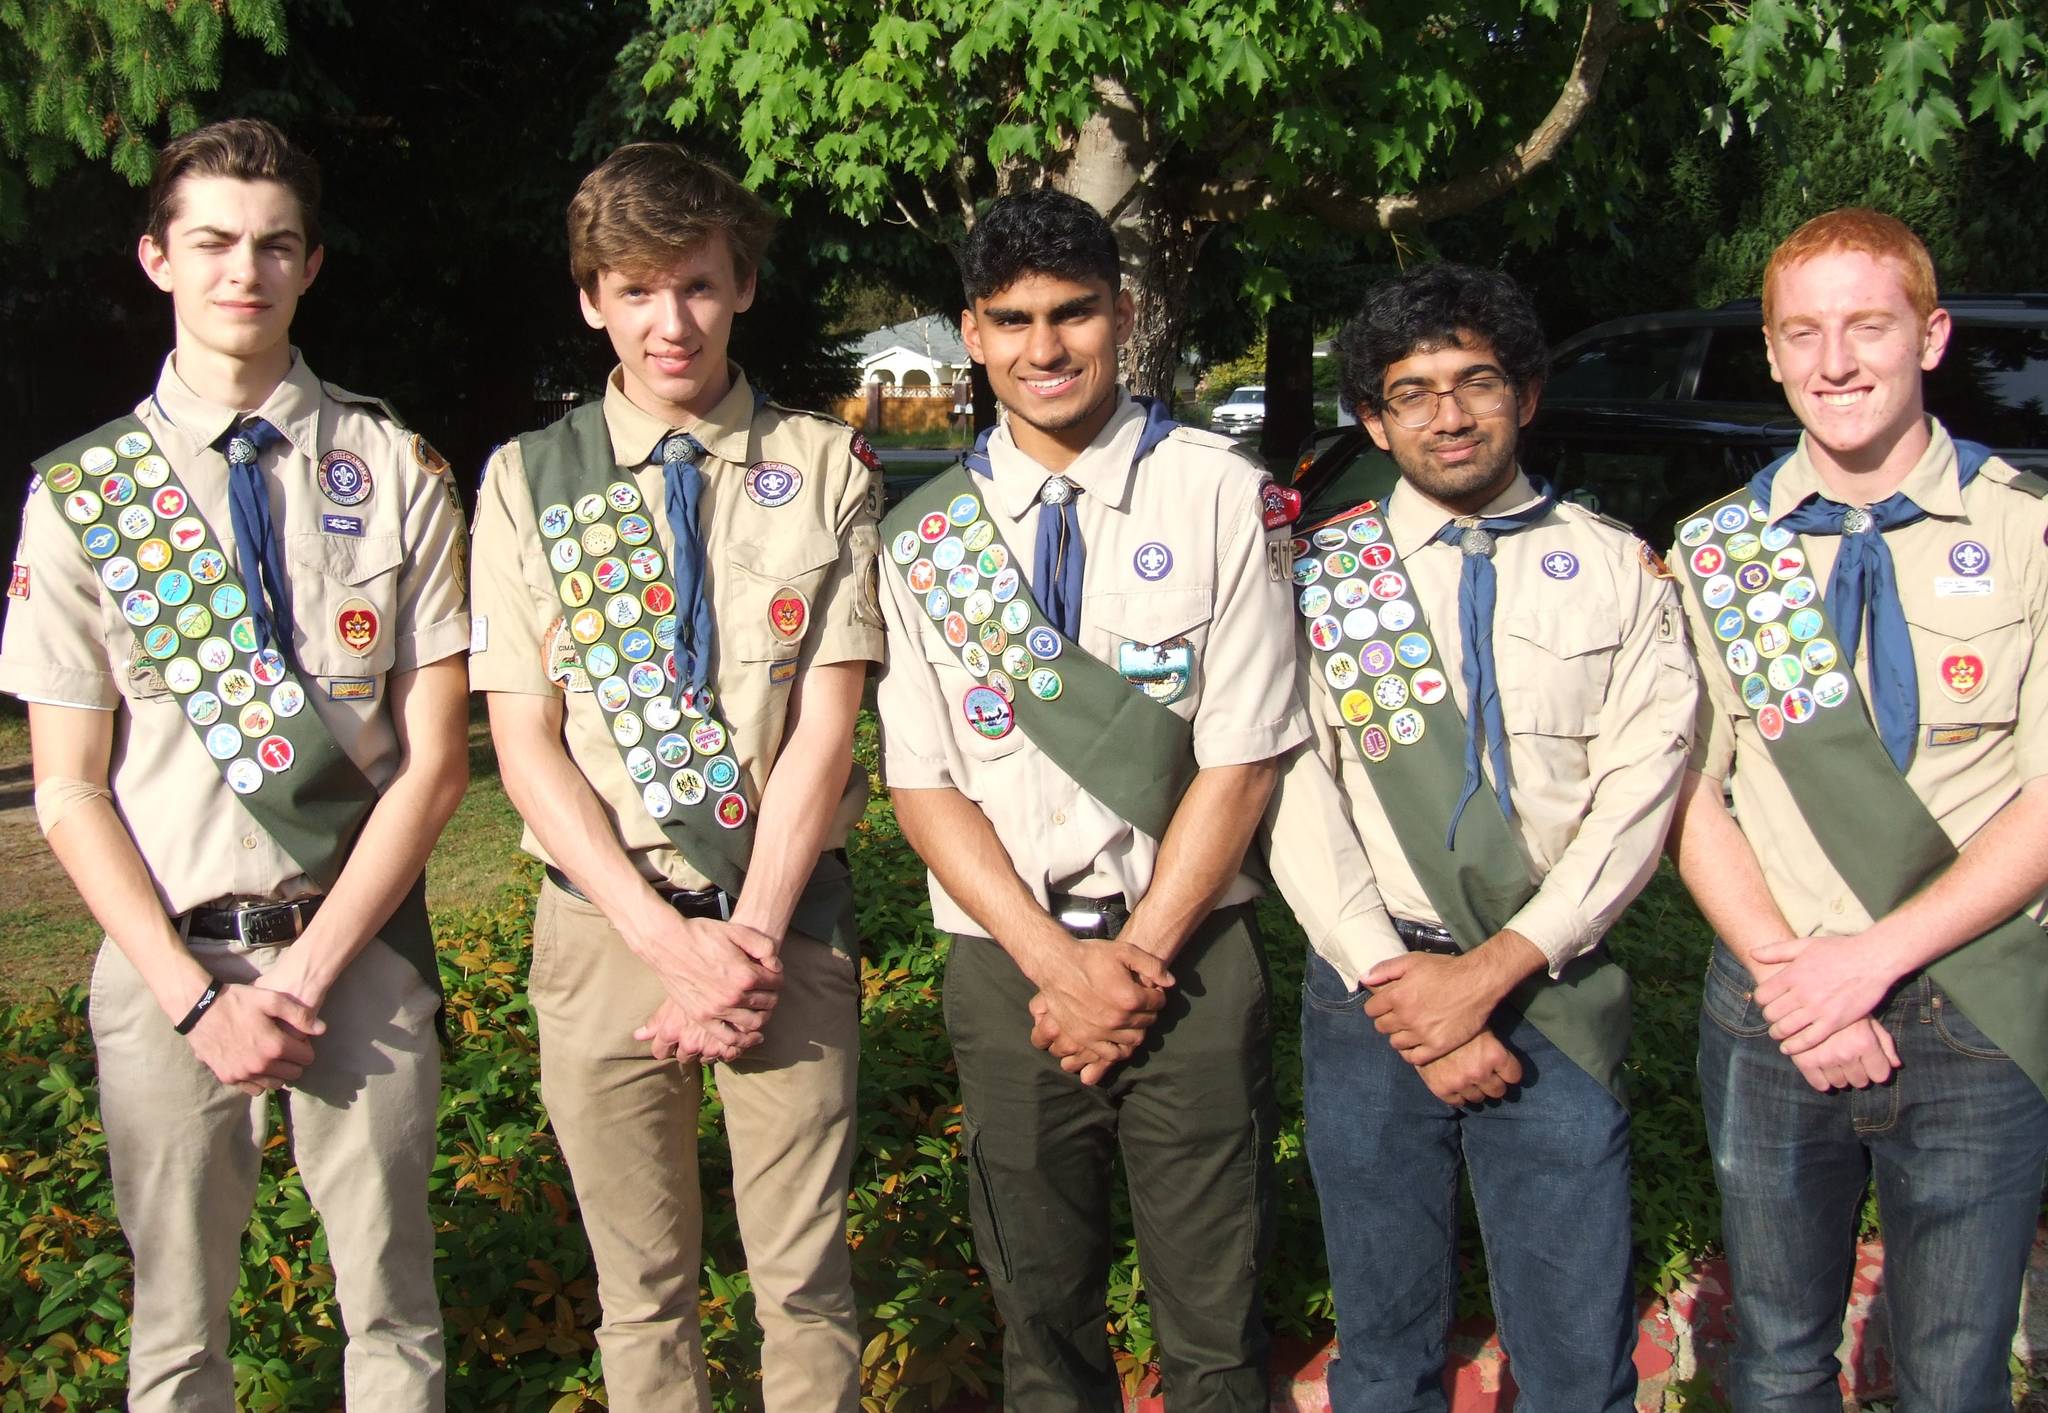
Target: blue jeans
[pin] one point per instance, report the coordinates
(1549, 1170)
(1958, 1140)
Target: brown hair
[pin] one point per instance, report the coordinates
(247, 149)
(650, 204)
(1872, 233)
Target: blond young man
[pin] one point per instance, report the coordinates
(238, 619)
(676, 612)
(1876, 704)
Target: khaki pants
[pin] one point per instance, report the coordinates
(185, 1151)
(628, 1126)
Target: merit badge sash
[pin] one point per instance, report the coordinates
(1371, 649)
(181, 594)
(618, 595)
(1769, 625)
(1127, 750)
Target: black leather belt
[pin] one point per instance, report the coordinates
(694, 902)
(1426, 937)
(1091, 919)
(255, 924)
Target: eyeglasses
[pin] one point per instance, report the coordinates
(1417, 407)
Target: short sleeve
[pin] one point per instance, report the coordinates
(512, 619)
(433, 597)
(908, 703)
(1712, 752)
(54, 648)
(1249, 709)
(848, 610)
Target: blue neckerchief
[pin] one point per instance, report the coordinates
(1060, 556)
(682, 490)
(256, 538)
(1478, 590)
(1865, 584)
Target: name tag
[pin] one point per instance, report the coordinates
(1973, 587)
(342, 524)
(1952, 735)
(350, 689)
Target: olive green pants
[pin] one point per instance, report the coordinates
(1192, 1115)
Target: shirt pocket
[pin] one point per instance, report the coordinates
(344, 602)
(1970, 655)
(1553, 667)
(1157, 639)
(771, 596)
(956, 686)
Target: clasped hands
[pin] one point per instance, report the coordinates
(1095, 1001)
(1433, 1011)
(1819, 993)
(721, 981)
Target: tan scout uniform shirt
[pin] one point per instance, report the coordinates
(1225, 595)
(1597, 694)
(66, 642)
(1972, 755)
(821, 543)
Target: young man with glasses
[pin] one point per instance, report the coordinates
(1501, 696)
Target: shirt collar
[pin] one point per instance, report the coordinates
(1102, 470)
(293, 407)
(636, 433)
(1932, 484)
(1415, 519)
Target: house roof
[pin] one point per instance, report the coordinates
(932, 336)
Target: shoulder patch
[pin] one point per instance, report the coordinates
(1279, 506)
(1653, 562)
(425, 457)
(865, 454)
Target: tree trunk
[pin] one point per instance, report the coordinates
(1290, 382)
(1109, 168)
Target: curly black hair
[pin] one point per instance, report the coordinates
(1037, 232)
(1434, 307)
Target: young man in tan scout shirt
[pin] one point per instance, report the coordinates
(1878, 702)
(238, 619)
(1502, 696)
(676, 613)
(1089, 683)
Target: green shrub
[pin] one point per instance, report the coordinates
(514, 1271)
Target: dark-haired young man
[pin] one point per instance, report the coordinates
(1088, 690)
(237, 616)
(676, 610)
(1501, 695)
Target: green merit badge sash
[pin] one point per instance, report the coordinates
(1769, 623)
(1371, 647)
(189, 608)
(620, 601)
(1127, 750)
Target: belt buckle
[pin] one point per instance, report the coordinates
(269, 925)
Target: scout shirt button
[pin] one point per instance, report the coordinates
(1059, 817)
(248, 841)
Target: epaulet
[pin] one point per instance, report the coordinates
(356, 399)
(1201, 436)
(1612, 523)
(769, 403)
(2006, 474)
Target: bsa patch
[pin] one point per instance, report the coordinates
(1153, 561)
(865, 454)
(1561, 564)
(342, 524)
(1952, 735)
(426, 458)
(780, 672)
(773, 483)
(17, 582)
(1962, 674)
(988, 713)
(1278, 505)
(787, 611)
(344, 479)
(355, 622)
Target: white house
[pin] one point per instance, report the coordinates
(919, 353)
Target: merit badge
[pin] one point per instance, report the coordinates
(730, 811)
(355, 622)
(133, 444)
(786, 613)
(160, 641)
(1797, 706)
(636, 645)
(1730, 518)
(978, 536)
(1366, 530)
(1015, 617)
(987, 712)
(1278, 505)
(627, 728)
(565, 556)
(623, 611)
(772, 483)
(1004, 586)
(955, 629)
(937, 604)
(1962, 674)
(980, 606)
(1411, 650)
(101, 541)
(276, 753)
(1831, 689)
(1388, 585)
(1307, 570)
(903, 549)
(82, 507)
(152, 471)
(153, 555)
(97, 460)
(66, 478)
(256, 718)
(644, 680)
(181, 675)
(554, 521)
(948, 553)
(344, 479)
(600, 661)
(1819, 655)
(1969, 558)
(173, 587)
(1770, 722)
(188, 532)
(267, 667)
(922, 576)
(1043, 642)
(1376, 556)
(1153, 561)
(598, 540)
(1405, 726)
(963, 510)
(236, 687)
(1561, 564)
(1375, 743)
(1340, 564)
(1772, 639)
(169, 502)
(1314, 601)
(1350, 593)
(202, 708)
(1045, 684)
(657, 801)
(1017, 661)
(1728, 624)
(589, 508)
(136, 522)
(1355, 707)
(1325, 632)
(1743, 547)
(974, 657)
(609, 574)
(721, 773)
(1376, 658)
(1695, 531)
(223, 742)
(288, 699)
(1360, 624)
(117, 489)
(140, 608)
(209, 566)
(962, 581)
(119, 574)
(1741, 657)
(1766, 607)
(1707, 561)
(1429, 685)
(1776, 537)
(1784, 673)
(1717, 591)
(1330, 537)
(242, 633)
(992, 560)
(1755, 691)
(576, 589)
(1787, 562)
(1750, 577)
(635, 529)
(1391, 692)
(992, 638)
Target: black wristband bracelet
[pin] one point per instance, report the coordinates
(199, 1008)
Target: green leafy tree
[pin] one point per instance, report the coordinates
(1317, 122)
(100, 78)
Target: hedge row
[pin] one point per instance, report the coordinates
(514, 1271)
